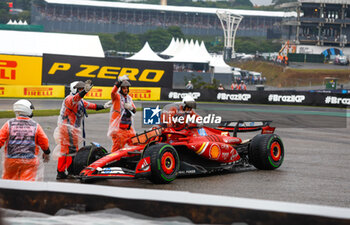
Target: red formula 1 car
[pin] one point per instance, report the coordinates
(162, 154)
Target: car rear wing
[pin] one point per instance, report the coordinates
(247, 126)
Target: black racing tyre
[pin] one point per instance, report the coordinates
(85, 156)
(165, 163)
(266, 151)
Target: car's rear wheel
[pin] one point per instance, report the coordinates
(85, 156)
(165, 163)
(266, 151)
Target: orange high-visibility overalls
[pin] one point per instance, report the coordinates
(120, 125)
(71, 116)
(22, 137)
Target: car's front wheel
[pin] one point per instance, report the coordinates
(87, 155)
(165, 163)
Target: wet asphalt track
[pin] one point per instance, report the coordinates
(315, 170)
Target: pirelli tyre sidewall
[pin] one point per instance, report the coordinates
(85, 156)
(266, 151)
(165, 163)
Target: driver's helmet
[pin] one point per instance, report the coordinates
(74, 86)
(188, 101)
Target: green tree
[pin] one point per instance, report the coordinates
(108, 42)
(127, 42)
(159, 39)
(175, 32)
(4, 12)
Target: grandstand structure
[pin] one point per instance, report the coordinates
(321, 23)
(80, 16)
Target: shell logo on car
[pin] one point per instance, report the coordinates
(214, 152)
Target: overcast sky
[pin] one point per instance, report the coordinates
(261, 2)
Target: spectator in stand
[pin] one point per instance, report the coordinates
(189, 85)
(221, 87)
(242, 86)
(234, 85)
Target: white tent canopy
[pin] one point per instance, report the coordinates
(188, 54)
(38, 43)
(170, 50)
(219, 65)
(204, 52)
(146, 54)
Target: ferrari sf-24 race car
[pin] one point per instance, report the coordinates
(164, 153)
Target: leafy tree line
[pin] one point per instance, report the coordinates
(5, 15)
(160, 38)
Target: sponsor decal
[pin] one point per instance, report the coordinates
(144, 165)
(225, 155)
(109, 72)
(95, 93)
(20, 70)
(58, 69)
(234, 97)
(286, 98)
(225, 133)
(17, 91)
(187, 171)
(37, 91)
(141, 93)
(151, 115)
(234, 154)
(177, 95)
(336, 101)
(214, 152)
(202, 132)
(8, 70)
(202, 148)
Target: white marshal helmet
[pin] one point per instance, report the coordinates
(189, 101)
(23, 107)
(75, 85)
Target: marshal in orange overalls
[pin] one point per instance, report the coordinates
(71, 116)
(120, 124)
(22, 137)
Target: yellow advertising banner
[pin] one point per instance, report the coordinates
(20, 70)
(15, 91)
(137, 93)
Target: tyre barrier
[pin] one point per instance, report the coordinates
(49, 197)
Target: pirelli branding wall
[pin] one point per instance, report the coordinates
(27, 91)
(20, 70)
(58, 69)
(261, 97)
(137, 93)
(50, 75)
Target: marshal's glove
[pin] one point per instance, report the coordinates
(128, 106)
(108, 104)
(46, 158)
(122, 78)
(88, 86)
